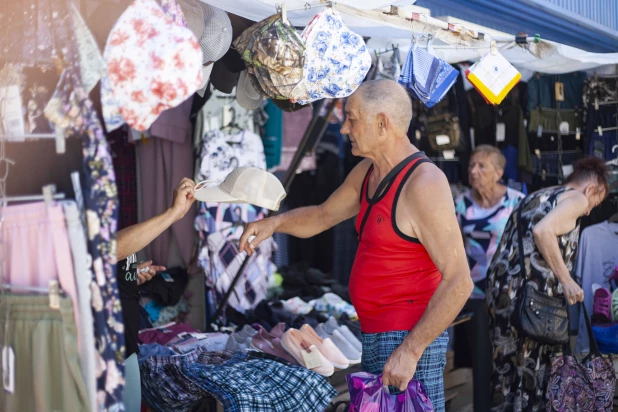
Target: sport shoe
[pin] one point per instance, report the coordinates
(601, 308)
(332, 325)
(267, 343)
(615, 305)
(342, 343)
(293, 342)
(327, 347)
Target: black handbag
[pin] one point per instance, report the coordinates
(538, 316)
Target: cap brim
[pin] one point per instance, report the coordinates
(214, 194)
(246, 95)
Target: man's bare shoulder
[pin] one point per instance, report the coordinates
(426, 179)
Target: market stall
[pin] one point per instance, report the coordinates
(106, 107)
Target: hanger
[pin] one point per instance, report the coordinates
(53, 290)
(232, 124)
(49, 195)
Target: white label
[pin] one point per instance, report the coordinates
(311, 358)
(11, 115)
(567, 170)
(539, 131)
(448, 154)
(578, 134)
(500, 132)
(442, 139)
(564, 127)
(8, 369)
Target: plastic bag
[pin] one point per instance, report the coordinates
(368, 394)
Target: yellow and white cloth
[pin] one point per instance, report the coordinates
(493, 76)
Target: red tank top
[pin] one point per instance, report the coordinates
(393, 276)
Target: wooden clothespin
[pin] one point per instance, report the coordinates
(48, 194)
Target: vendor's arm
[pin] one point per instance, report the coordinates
(430, 217)
(309, 221)
(134, 238)
(561, 220)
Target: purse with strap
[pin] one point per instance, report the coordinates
(585, 385)
(538, 316)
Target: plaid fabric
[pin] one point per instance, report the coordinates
(250, 382)
(123, 158)
(165, 387)
(377, 347)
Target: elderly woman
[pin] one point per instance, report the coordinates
(550, 224)
(482, 213)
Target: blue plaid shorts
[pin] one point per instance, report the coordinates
(377, 347)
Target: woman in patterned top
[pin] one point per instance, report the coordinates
(550, 219)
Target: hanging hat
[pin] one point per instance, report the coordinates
(247, 96)
(244, 185)
(216, 39)
(275, 54)
(152, 63)
(336, 59)
(194, 16)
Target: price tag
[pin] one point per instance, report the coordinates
(559, 89)
(567, 170)
(311, 357)
(442, 140)
(10, 111)
(8, 369)
(448, 154)
(578, 133)
(539, 131)
(500, 132)
(564, 127)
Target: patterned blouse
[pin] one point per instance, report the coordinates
(482, 229)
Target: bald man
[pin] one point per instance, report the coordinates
(410, 277)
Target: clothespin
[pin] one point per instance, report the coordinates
(492, 48)
(60, 140)
(596, 104)
(600, 130)
(48, 194)
(284, 13)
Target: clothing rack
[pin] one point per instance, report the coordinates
(312, 136)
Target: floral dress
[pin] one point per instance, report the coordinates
(521, 365)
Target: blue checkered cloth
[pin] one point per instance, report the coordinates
(377, 347)
(255, 382)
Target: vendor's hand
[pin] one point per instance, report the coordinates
(183, 198)
(145, 276)
(573, 293)
(262, 230)
(399, 368)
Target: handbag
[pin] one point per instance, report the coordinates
(586, 385)
(538, 316)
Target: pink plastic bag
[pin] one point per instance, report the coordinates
(368, 394)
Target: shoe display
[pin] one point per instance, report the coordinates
(334, 305)
(294, 343)
(326, 346)
(278, 330)
(341, 343)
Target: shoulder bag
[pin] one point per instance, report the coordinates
(538, 316)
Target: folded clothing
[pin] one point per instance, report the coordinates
(164, 334)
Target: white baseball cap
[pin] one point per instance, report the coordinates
(216, 38)
(246, 95)
(244, 185)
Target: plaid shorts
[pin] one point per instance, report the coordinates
(377, 347)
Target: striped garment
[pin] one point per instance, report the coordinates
(377, 347)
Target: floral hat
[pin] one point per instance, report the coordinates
(153, 63)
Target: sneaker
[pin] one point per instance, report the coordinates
(341, 343)
(331, 325)
(601, 308)
(293, 342)
(326, 346)
(334, 305)
(615, 305)
(267, 343)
